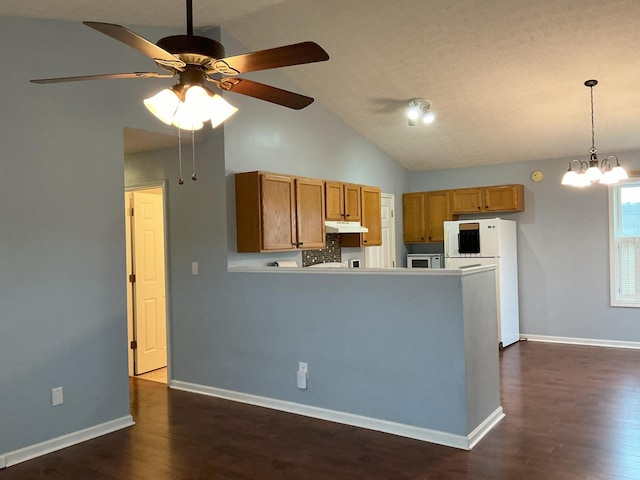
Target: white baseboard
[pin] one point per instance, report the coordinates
(594, 342)
(485, 427)
(409, 431)
(33, 451)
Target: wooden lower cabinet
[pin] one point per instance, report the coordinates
(278, 212)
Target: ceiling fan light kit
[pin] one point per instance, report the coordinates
(196, 60)
(593, 170)
(419, 111)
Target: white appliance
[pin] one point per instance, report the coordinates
(424, 260)
(485, 242)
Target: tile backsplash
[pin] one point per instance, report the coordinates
(331, 253)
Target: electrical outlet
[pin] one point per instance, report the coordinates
(194, 268)
(57, 397)
(303, 367)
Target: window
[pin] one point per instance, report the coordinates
(625, 244)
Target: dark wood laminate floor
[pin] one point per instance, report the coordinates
(573, 412)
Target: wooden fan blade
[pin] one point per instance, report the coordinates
(265, 92)
(101, 77)
(134, 40)
(296, 54)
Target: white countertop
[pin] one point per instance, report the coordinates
(363, 271)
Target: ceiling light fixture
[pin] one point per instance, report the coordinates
(188, 105)
(419, 111)
(593, 170)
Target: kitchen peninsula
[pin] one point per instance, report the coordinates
(409, 352)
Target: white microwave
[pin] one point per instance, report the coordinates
(424, 260)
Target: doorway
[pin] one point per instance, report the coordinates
(146, 282)
(384, 256)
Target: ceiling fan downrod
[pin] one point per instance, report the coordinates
(189, 17)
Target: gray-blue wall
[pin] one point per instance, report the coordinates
(62, 269)
(563, 248)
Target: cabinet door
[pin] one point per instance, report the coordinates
(371, 216)
(438, 210)
(334, 198)
(503, 198)
(467, 200)
(310, 213)
(278, 212)
(413, 217)
(352, 209)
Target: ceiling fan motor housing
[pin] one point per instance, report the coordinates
(192, 49)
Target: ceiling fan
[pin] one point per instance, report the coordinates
(197, 60)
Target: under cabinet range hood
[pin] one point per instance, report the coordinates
(345, 227)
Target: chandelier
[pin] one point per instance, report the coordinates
(593, 170)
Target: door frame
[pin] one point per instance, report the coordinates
(162, 184)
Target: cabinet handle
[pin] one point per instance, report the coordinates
(479, 208)
(346, 215)
(300, 244)
(421, 238)
(364, 241)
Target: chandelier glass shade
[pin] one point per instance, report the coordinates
(592, 171)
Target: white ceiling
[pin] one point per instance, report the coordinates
(505, 77)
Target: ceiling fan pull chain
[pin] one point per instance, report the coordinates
(193, 153)
(180, 181)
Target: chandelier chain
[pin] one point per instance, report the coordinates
(593, 136)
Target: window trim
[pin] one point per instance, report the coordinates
(613, 250)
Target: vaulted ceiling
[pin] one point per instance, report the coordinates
(505, 77)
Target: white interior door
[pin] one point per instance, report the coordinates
(149, 303)
(384, 256)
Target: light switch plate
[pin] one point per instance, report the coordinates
(57, 397)
(301, 380)
(194, 268)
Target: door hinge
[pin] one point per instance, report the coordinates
(134, 345)
(393, 264)
(132, 278)
(132, 211)
(391, 214)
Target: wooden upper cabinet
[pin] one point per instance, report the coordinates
(467, 200)
(503, 198)
(343, 201)
(310, 213)
(278, 212)
(352, 205)
(498, 198)
(413, 217)
(438, 210)
(424, 214)
(371, 216)
(334, 198)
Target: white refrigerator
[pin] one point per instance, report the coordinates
(485, 242)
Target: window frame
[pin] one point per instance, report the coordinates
(614, 221)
